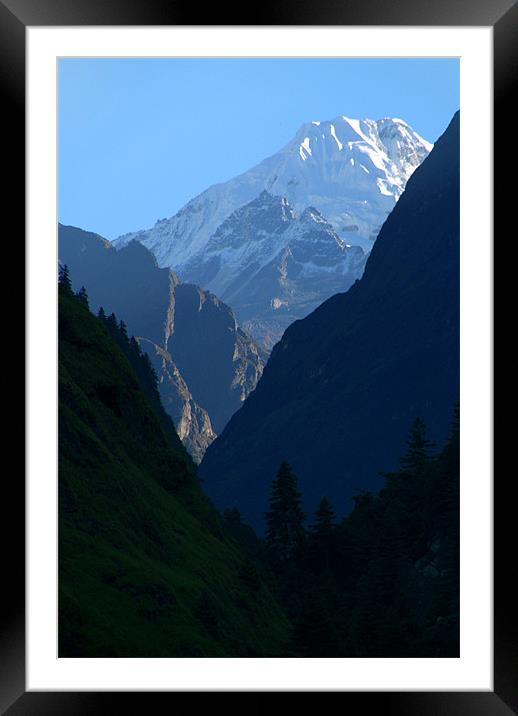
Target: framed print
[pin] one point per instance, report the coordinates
(266, 311)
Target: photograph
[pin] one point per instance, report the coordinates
(259, 352)
(258, 343)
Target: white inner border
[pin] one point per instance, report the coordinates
(473, 670)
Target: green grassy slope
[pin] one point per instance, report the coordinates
(145, 565)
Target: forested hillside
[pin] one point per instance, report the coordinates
(146, 565)
(384, 581)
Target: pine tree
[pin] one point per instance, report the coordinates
(285, 519)
(102, 315)
(64, 279)
(406, 487)
(322, 534)
(111, 324)
(324, 519)
(418, 448)
(134, 347)
(82, 296)
(123, 330)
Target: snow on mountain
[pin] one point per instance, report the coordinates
(274, 266)
(352, 171)
(349, 171)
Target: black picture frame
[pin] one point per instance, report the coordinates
(15, 16)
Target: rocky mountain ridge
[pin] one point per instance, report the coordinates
(206, 364)
(274, 266)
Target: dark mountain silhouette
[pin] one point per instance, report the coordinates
(146, 565)
(205, 363)
(343, 384)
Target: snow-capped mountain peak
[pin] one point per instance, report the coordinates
(350, 172)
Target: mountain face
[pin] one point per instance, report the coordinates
(205, 363)
(342, 387)
(352, 171)
(273, 266)
(349, 171)
(146, 566)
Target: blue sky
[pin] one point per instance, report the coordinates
(138, 138)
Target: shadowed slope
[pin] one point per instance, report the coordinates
(343, 384)
(146, 567)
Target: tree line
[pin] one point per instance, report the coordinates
(383, 581)
(138, 359)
